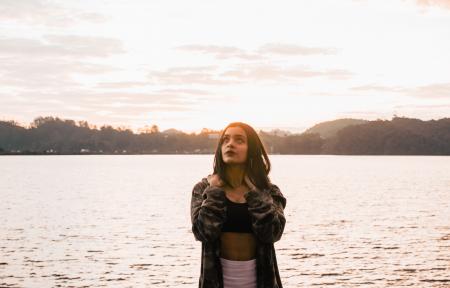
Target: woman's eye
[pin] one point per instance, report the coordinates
(238, 140)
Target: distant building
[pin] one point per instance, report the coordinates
(213, 136)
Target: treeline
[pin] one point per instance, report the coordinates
(52, 135)
(400, 136)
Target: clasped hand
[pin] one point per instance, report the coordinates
(214, 180)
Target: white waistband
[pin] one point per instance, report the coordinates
(239, 274)
(239, 263)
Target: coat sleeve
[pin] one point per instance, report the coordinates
(208, 211)
(267, 210)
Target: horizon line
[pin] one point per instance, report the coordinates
(139, 130)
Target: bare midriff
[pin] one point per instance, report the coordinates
(237, 246)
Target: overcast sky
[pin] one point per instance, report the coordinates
(194, 64)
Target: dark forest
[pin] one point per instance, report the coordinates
(52, 135)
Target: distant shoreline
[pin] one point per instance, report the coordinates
(399, 136)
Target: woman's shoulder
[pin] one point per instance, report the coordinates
(271, 189)
(274, 190)
(205, 181)
(202, 184)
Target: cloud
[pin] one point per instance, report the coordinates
(53, 60)
(132, 108)
(426, 3)
(61, 46)
(294, 50)
(166, 98)
(89, 104)
(227, 52)
(92, 17)
(432, 106)
(377, 88)
(242, 74)
(155, 97)
(107, 107)
(32, 73)
(190, 75)
(439, 3)
(184, 91)
(360, 112)
(193, 69)
(438, 90)
(46, 13)
(273, 73)
(122, 84)
(221, 52)
(212, 75)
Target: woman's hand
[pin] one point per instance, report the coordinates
(214, 180)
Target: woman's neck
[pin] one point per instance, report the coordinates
(235, 175)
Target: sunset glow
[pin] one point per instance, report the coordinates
(194, 64)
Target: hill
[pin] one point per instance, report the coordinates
(329, 129)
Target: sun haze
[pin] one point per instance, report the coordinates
(194, 64)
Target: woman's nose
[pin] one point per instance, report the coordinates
(230, 143)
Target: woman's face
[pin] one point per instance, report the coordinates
(234, 146)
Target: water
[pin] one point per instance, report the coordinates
(124, 221)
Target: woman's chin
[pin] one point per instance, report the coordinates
(233, 162)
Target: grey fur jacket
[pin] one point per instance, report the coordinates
(208, 213)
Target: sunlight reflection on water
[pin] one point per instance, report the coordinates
(124, 221)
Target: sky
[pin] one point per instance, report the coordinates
(194, 64)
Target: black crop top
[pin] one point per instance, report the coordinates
(238, 218)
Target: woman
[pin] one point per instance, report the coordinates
(237, 214)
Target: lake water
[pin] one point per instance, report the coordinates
(124, 221)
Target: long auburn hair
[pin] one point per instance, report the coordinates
(257, 166)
